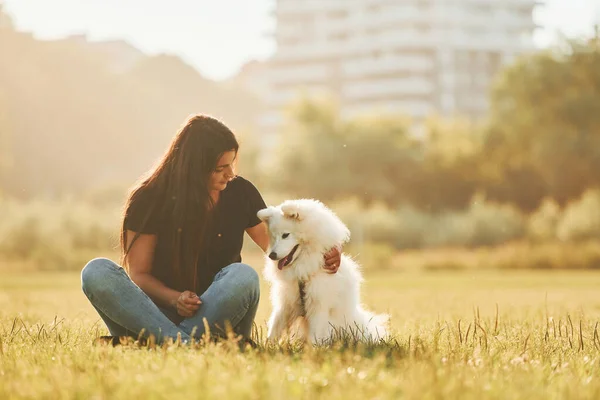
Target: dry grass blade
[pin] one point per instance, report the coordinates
(580, 336)
(484, 335)
(571, 324)
(467, 334)
(560, 328)
(497, 319)
(525, 344)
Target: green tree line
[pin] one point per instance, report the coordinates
(541, 140)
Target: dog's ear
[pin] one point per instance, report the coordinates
(265, 214)
(291, 211)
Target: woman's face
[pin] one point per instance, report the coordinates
(223, 172)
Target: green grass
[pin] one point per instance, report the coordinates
(467, 335)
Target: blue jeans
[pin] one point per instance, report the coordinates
(126, 309)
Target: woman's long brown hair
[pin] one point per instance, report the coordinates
(179, 187)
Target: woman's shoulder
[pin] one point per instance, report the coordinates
(239, 183)
(243, 190)
(142, 196)
(141, 210)
(247, 198)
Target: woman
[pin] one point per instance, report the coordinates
(181, 240)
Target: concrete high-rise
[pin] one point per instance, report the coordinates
(411, 57)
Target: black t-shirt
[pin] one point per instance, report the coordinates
(233, 214)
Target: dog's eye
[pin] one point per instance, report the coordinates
(285, 235)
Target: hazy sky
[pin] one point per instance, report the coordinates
(217, 37)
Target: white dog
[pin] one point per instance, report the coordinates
(301, 232)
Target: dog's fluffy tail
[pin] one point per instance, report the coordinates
(376, 324)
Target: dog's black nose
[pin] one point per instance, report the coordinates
(273, 256)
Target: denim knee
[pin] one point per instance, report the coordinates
(246, 279)
(94, 275)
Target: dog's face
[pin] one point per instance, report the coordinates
(302, 229)
(285, 234)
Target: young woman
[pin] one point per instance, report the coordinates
(181, 241)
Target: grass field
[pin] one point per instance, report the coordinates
(467, 335)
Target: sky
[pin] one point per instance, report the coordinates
(218, 37)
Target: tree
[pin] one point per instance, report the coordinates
(451, 173)
(544, 130)
(378, 159)
(325, 157)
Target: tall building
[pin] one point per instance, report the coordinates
(411, 57)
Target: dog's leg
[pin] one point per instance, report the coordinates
(320, 329)
(278, 322)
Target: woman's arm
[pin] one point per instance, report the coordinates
(260, 235)
(139, 260)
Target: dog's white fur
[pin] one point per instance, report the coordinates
(332, 301)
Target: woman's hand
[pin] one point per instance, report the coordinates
(333, 258)
(187, 304)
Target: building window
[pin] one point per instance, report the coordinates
(291, 41)
(337, 14)
(374, 8)
(423, 28)
(373, 31)
(424, 5)
(338, 36)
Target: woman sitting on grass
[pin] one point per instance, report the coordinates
(181, 242)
